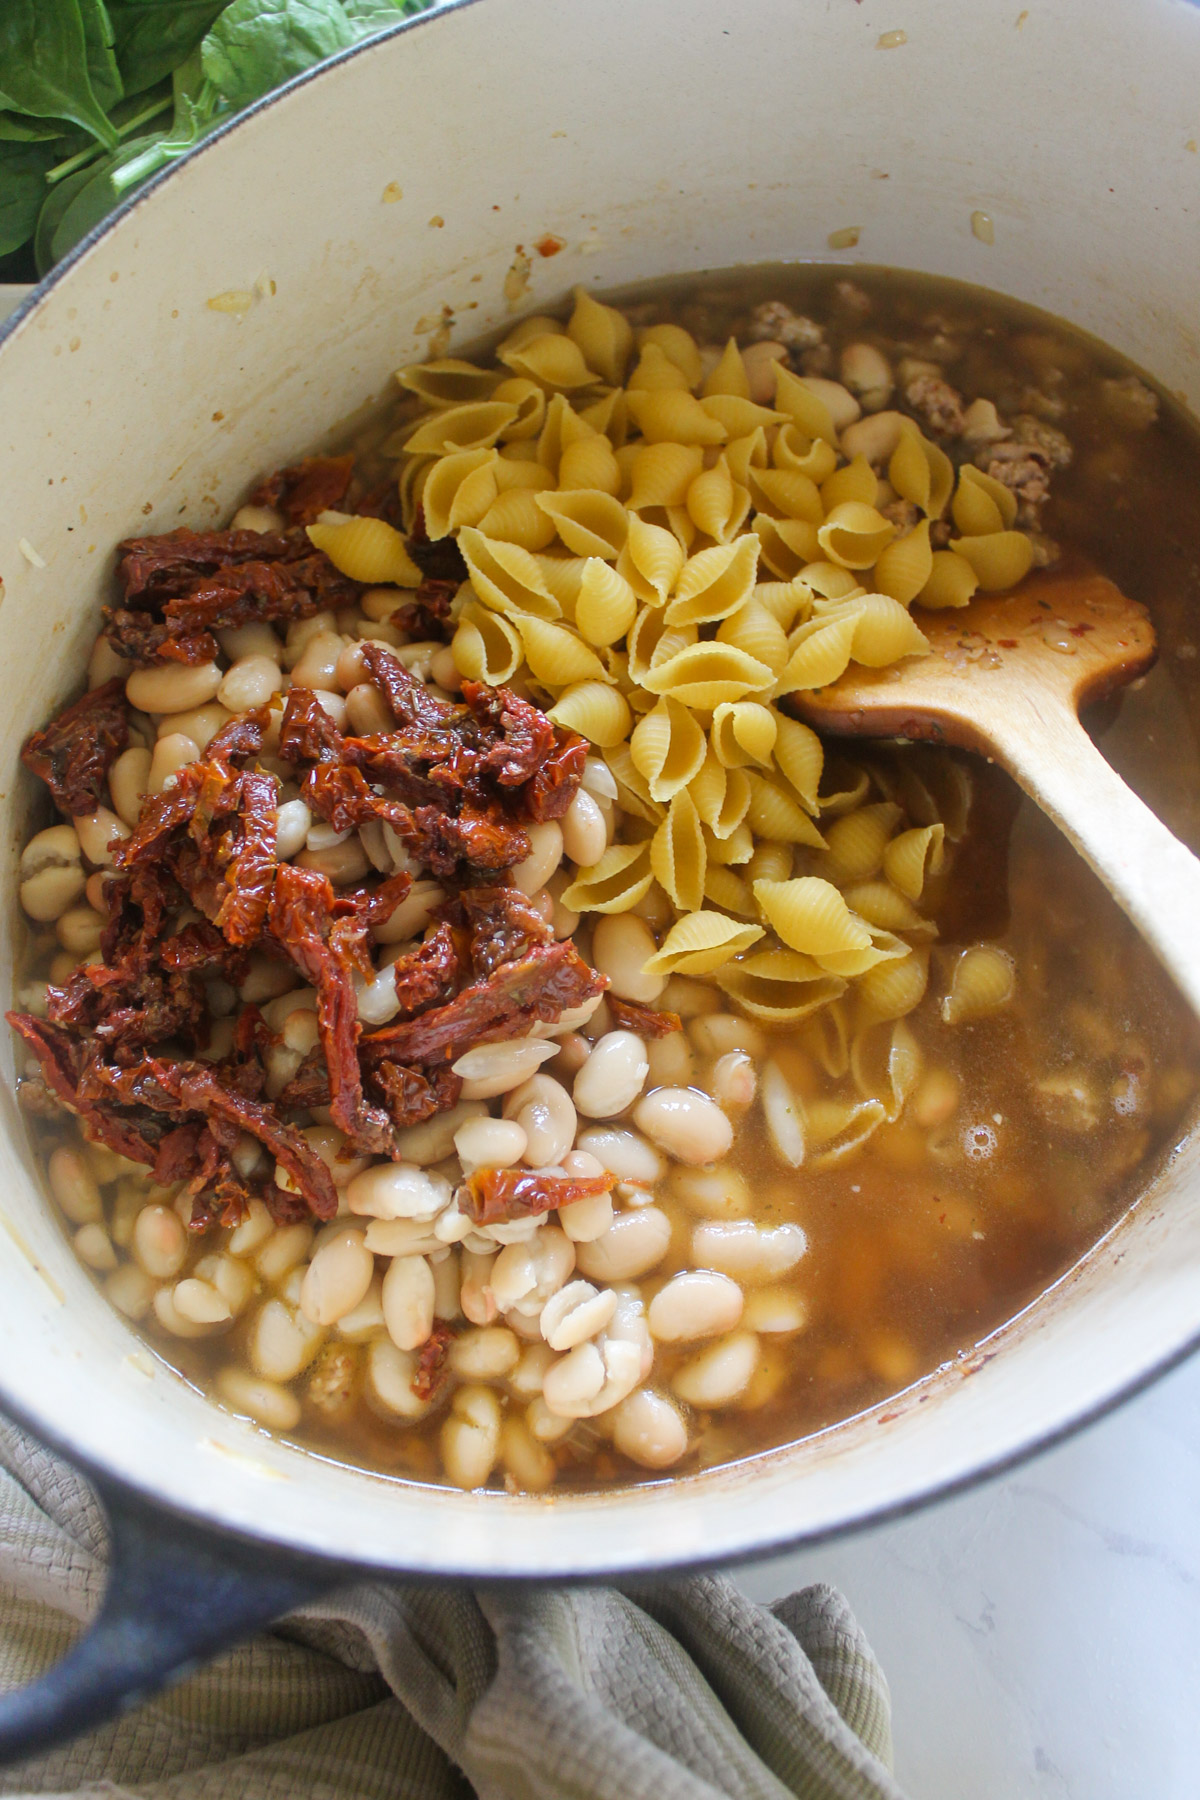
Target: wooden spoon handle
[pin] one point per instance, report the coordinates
(1146, 869)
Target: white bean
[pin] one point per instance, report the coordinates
(200, 1302)
(172, 687)
(378, 1000)
(720, 1193)
(867, 372)
(170, 754)
(128, 781)
(79, 930)
(476, 1295)
(94, 1247)
(612, 1077)
(316, 667)
(546, 849)
(525, 1381)
(281, 1342)
(687, 1125)
(366, 1320)
(634, 1243)
(775, 1311)
(720, 1373)
(734, 1080)
(490, 1144)
(408, 1298)
(470, 1436)
(159, 1242)
(575, 1380)
(759, 362)
(74, 1186)
(263, 1401)
(257, 518)
(337, 1278)
(433, 1141)
(200, 723)
(584, 831)
(96, 831)
(525, 1275)
(546, 1114)
(545, 1426)
(485, 1353)
(874, 437)
(671, 1061)
(253, 1231)
(53, 848)
(255, 639)
(402, 1237)
(576, 1313)
(287, 1247)
(843, 407)
(130, 1290)
(624, 1153)
(292, 822)
(104, 664)
(230, 1277)
(301, 632)
(528, 1463)
(398, 1191)
(715, 1033)
(249, 683)
(367, 712)
(694, 1304)
(446, 1282)
(783, 1116)
(622, 945)
(342, 863)
(491, 1069)
(747, 1251)
(48, 894)
(649, 1429)
(586, 1219)
(411, 916)
(390, 1373)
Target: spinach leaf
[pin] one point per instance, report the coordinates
(369, 16)
(102, 64)
(53, 208)
(18, 128)
(22, 191)
(154, 36)
(257, 44)
(197, 109)
(44, 64)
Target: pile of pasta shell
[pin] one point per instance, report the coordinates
(659, 560)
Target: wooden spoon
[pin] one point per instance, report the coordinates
(1007, 675)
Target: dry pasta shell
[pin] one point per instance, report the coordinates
(553, 360)
(633, 793)
(983, 981)
(738, 417)
(367, 550)
(810, 915)
(802, 406)
(981, 503)
(717, 505)
(905, 566)
(617, 882)
(485, 646)
(524, 332)
(506, 577)
(794, 449)
(838, 1129)
(780, 987)
(729, 375)
(921, 472)
(606, 606)
(603, 334)
(721, 796)
(458, 491)
(737, 846)
(530, 402)
(776, 814)
(556, 656)
(879, 903)
(746, 453)
(674, 418)
(856, 481)
(857, 841)
(786, 494)
(1000, 559)
(912, 857)
(516, 518)
(678, 856)
(821, 652)
(790, 602)
(448, 381)
(800, 758)
(727, 890)
(700, 943)
(753, 629)
(787, 544)
(610, 415)
(770, 862)
(649, 634)
(829, 582)
(661, 474)
(563, 576)
(650, 561)
(952, 581)
(884, 947)
(596, 711)
(704, 675)
(667, 748)
(474, 426)
(589, 522)
(657, 374)
(678, 345)
(892, 989)
(886, 1061)
(855, 534)
(714, 583)
(744, 732)
(589, 464)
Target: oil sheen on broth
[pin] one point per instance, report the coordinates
(1030, 1131)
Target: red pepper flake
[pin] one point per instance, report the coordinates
(1081, 629)
(550, 244)
(431, 1371)
(495, 1196)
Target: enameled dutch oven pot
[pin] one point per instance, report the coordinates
(651, 137)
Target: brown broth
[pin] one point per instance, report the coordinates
(942, 1229)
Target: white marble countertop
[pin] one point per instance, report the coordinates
(1041, 1634)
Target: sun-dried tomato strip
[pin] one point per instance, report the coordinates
(341, 797)
(558, 779)
(250, 876)
(431, 1371)
(645, 1020)
(520, 737)
(427, 615)
(74, 753)
(326, 948)
(549, 981)
(412, 1096)
(505, 925)
(410, 700)
(157, 567)
(429, 975)
(494, 1196)
(200, 1091)
(243, 735)
(307, 733)
(309, 488)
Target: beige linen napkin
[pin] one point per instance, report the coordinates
(682, 1690)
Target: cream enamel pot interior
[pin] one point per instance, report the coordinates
(651, 137)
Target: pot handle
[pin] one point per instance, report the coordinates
(177, 1594)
